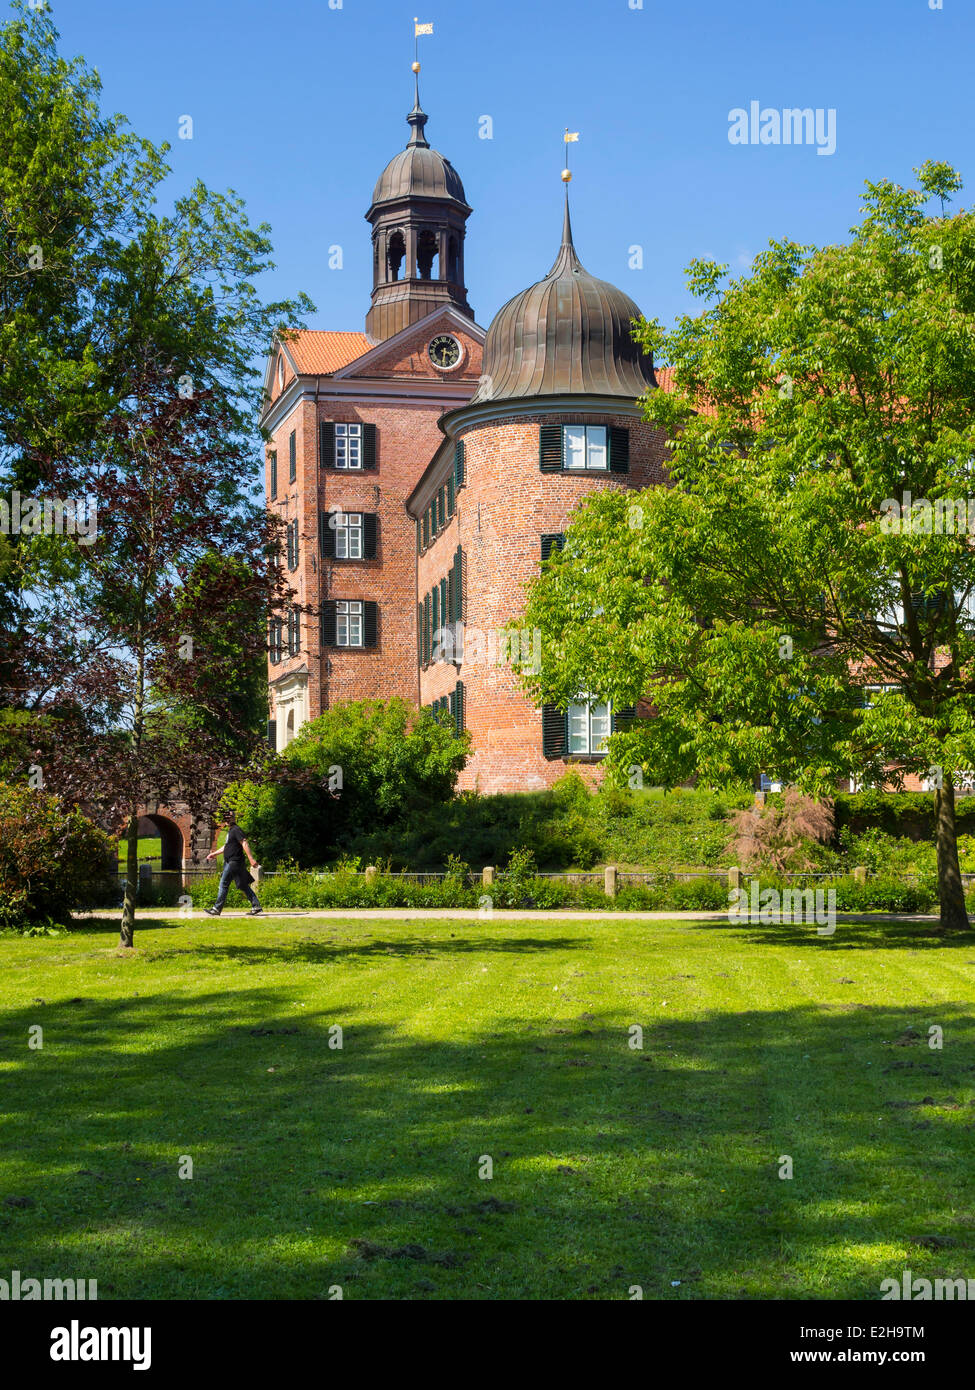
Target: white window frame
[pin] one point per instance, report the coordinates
(966, 606)
(594, 446)
(348, 447)
(888, 689)
(582, 709)
(350, 618)
(349, 539)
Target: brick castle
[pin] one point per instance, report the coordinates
(425, 467)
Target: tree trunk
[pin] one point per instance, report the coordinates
(127, 939)
(954, 915)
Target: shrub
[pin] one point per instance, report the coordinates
(52, 858)
(389, 762)
(782, 836)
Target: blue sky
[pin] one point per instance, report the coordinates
(298, 107)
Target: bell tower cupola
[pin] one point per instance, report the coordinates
(418, 216)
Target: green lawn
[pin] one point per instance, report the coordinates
(358, 1167)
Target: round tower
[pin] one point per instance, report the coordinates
(556, 417)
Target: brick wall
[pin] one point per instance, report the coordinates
(407, 436)
(503, 511)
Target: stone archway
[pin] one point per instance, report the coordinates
(173, 852)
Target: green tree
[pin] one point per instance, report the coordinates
(143, 332)
(786, 571)
(358, 767)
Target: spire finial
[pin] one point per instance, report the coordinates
(417, 117)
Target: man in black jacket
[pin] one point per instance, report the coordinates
(234, 848)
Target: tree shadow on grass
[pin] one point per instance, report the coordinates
(916, 935)
(330, 953)
(359, 1166)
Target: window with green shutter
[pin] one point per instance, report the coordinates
(273, 485)
(619, 449)
(555, 732)
(326, 444)
(550, 448)
(554, 541)
(460, 465)
(458, 609)
(451, 496)
(292, 456)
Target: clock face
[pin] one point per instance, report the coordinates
(444, 351)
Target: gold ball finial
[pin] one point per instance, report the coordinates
(416, 67)
(566, 175)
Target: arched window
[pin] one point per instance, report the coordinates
(289, 728)
(395, 252)
(427, 248)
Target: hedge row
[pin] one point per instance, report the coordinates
(349, 890)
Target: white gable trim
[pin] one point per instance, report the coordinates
(446, 313)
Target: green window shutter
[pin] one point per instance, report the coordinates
(426, 629)
(550, 448)
(445, 617)
(451, 495)
(619, 449)
(272, 734)
(458, 710)
(459, 596)
(273, 460)
(370, 535)
(555, 731)
(292, 456)
(370, 624)
(326, 537)
(419, 537)
(329, 627)
(460, 464)
(326, 444)
(554, 541)
(442, 507)
(435, 613)
(623, 718)
(370, 448)
(426, 528)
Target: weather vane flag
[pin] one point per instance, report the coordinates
(418, 29)
(569, 138)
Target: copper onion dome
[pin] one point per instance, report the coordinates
(569, 334)
(418, 171)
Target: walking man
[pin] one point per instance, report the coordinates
(234, 848)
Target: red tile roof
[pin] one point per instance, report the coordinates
(316, 352)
